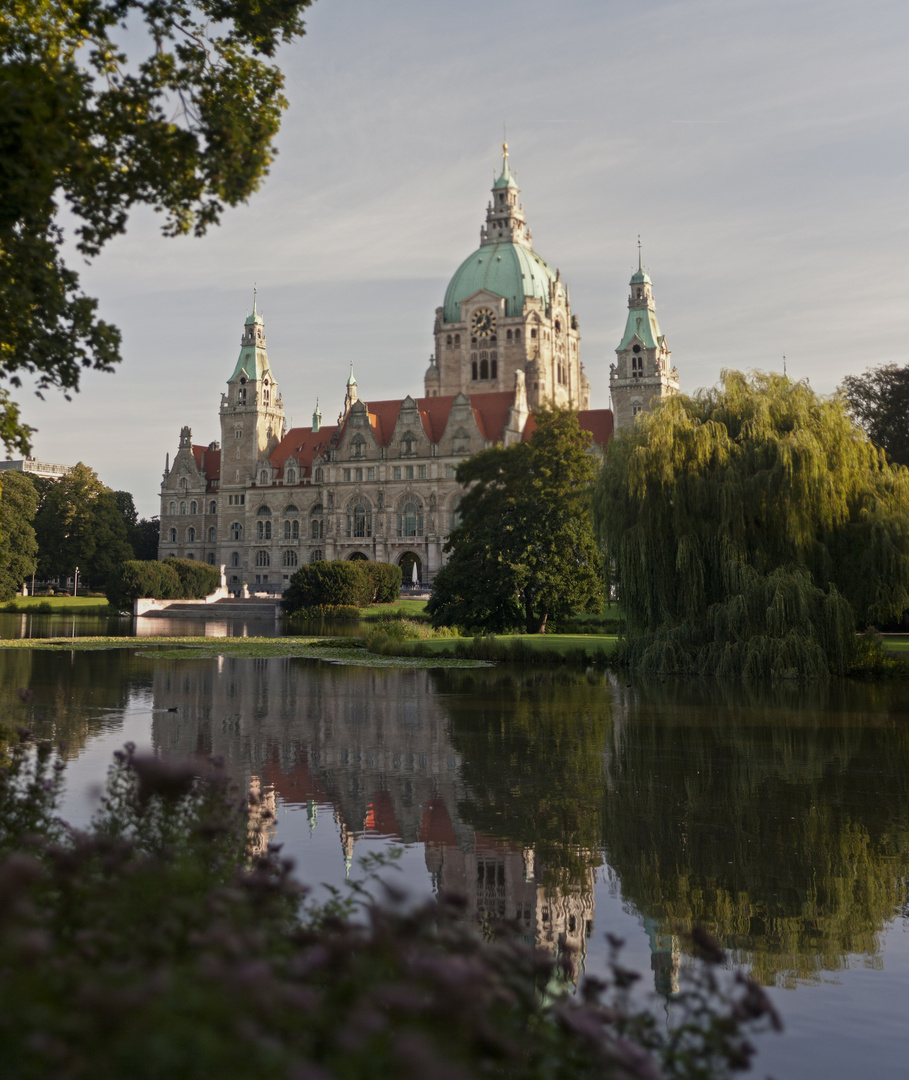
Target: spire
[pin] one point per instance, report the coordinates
(505, 221)
(255, 293)
(350, 397)
(316, 419)
(640, 276)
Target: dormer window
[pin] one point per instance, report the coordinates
(263, 476)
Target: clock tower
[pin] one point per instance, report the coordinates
(506, 311)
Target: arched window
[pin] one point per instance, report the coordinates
(263, 529)
(189, 555)
(236, 531)
(448, 341)
(235, 559)
(183, 483)
(190, 535)
(263, 558)
(317, 523)
(317, 475)
(213, 507)
(474, 371)
(182, 507)
(533, 333)
(173, 536)
(212, 534)
(517, 335)
(410, 517)
(484, 368)
(315, 555)
(193, 507)
(291, 477)
(289, 558)
(263, 477)
(508, 336)
(173, 508)
(457, 339)
(359, 518)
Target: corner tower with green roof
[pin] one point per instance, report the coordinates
(642, 372)
(252, 412)
(506, 317)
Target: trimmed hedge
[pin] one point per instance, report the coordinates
(341, 583)
(173, 579)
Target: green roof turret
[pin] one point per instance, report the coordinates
(505, 180)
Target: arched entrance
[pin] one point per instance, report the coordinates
(357, 556)
(407, 562)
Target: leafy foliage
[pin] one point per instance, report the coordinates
(752, 528)
(197, 579)
(524, 548)
(342, 583)
(153, 944)
(79, 524)
(879, 401)
(18, 546)
(185, 124)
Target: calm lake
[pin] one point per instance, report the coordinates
(579, 805)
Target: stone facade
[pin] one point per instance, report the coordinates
(380, 483)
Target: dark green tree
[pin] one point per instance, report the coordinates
(524, 549)
(752, 529)
(144, 538)
(185, 124)
(79, 524)
(112, 545)
(879, 401)
(18, 546)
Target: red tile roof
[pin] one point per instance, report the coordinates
(208, 462)
(599, 422)
(302, 444)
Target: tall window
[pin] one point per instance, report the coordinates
(263, 558)
(289, 558)
(315, 555)
(212, 534)
(359, 519)
(263, 529)
(235, 559)
(173, 508)
(263, 477)
(236, 531)
(358, 446)
(317, 524)
(407, 444)
(291, 477)
(410, 517)
(317, 474)
(173, 536)
(182, 507)
(213, 507)
(193, 507)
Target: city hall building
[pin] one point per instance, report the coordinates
(380, 483)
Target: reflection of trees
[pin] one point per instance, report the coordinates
(778, 819)
(70, 693)
(533, 763)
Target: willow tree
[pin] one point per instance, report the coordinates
(752, 529)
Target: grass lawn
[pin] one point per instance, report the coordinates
(549, 643)
(61, 605)
(896, 643)
(381, 611)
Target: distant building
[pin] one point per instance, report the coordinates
(34, 467)
(380, 484)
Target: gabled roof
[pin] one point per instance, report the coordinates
(208, 462)
(303, 445)
(490, 413)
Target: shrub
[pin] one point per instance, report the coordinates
(385, 579)
(197, 579)
(334, 612)
(153, 944)
(329, 583)
(134, 579)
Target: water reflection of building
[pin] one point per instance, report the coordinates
(374, 745)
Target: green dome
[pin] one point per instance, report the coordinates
(640, 277)
(507, 270)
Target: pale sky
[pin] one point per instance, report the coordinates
(759, 149)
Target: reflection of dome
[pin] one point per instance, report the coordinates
(509, 270)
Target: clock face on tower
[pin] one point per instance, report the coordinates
(483, 322)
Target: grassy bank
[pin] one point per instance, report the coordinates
(60, 605)
(508, 648)
(348, 651)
